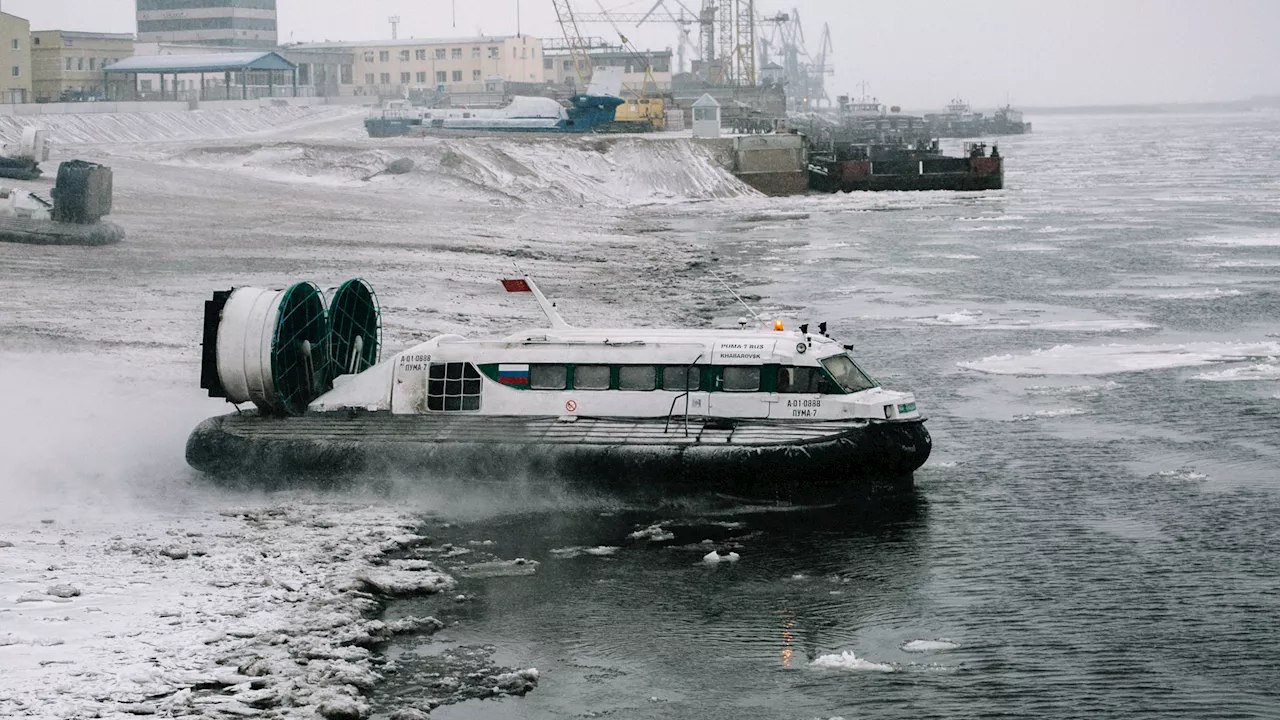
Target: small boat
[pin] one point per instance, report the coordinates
(585, 113)
(751, 410)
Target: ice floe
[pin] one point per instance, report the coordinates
(715, 557)
(1119, 358)
(653, 533)
(1261, 239)
(1210, 294)
(1260, 371)
(848, 661)
(924, 646)
(577, 551)
(1053, 413)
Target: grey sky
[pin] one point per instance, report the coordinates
(917, 53)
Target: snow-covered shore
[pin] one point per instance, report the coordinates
(226, 612)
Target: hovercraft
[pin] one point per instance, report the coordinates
(81, 198)
(754, 409)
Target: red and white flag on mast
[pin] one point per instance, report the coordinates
(517, 285)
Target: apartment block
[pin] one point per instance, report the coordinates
(67, 65)
(15, 59)
(226, 23)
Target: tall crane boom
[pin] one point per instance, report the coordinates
(573, 42)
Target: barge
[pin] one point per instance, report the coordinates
(850, 166)
(756, 410)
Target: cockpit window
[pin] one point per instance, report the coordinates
(803, 380)
(848, 374)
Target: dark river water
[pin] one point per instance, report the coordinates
(1098, 351)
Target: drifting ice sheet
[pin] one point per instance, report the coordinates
(1106, 359)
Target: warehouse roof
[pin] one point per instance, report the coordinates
(211, 62)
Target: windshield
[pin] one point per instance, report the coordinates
(847, 374)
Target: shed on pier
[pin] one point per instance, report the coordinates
(706, 117)
(253, 72)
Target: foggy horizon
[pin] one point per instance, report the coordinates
(915, 53)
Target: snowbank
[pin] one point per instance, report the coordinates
(205, 614)
(149, 127)
(556, 171)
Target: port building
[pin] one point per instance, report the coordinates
(445, 65)
(557, 67)
(226, 23)
(68, 66)
(15, 59)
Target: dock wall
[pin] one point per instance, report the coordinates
(773, 164)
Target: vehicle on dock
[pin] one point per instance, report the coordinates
(585, 113)
(850, 166)
(21, 160)
(753, 410)
(81, 198)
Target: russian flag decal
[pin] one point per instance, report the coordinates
(513, 374)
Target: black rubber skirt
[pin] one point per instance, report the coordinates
(874, 454)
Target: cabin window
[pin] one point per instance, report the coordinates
(741, 378)
(847, 374)
(548, 377)
(637, 377)
(453, 386)
(679, 378)
(591, 377)
(803, 380)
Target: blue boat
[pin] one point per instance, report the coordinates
(585, 113)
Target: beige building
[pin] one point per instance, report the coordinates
(68, 65)
(457, 65)
(557, 67)
(15, 59)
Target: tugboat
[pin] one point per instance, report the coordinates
(756, 409)
(586, 113)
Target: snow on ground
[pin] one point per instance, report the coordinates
(552, 171)
(213, 612)
(93, 128)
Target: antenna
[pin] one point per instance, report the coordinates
(735, 295)
(394, 20)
